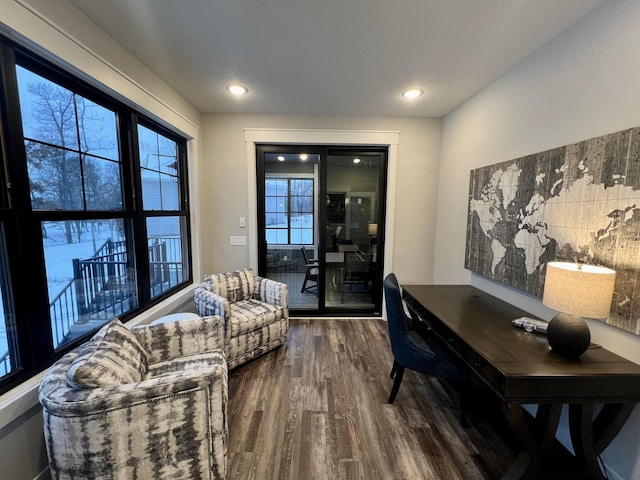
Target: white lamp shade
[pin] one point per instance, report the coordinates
(584, 290)
(373, 229)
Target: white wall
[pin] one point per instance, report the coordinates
(60, 32)
(583, 84)
(224, 185)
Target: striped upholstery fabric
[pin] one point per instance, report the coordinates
(112, 357)
(172, 424)
(252, 314)
(170, 340)
(253, 344)
(234, 286)
(252, 326)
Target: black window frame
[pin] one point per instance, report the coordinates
(288, 198)
(22, 225)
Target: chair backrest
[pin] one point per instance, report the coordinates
(311, 265)
(430, 355)
(358, 261)
(396, 316)
(234, 286)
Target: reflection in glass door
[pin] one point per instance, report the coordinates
(353, 230)
(288, 191)
(320, 218)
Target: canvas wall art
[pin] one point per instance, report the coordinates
(580, 202)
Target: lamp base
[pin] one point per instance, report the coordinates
(568, 335)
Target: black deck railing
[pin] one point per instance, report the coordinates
(101, 281)
(165, 264)
(103, 286)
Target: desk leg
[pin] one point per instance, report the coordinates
(535, 437)
(591, 435)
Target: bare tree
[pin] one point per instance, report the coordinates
(63, 129)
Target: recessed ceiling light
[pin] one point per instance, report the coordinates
(281, 158)
(237, 89)
(303, 156)
(412, 93)
(356, 160)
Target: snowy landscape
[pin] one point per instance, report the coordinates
(59, 257)
(301, 231)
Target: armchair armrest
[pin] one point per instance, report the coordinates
(165, 341)
(271, 291)
(209, 303)
(63, 400)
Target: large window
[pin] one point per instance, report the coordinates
(94, 212)
(8, 353)
(71, 145)
(159, 171)
(289, 211)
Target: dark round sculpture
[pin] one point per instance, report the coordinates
(568, 335)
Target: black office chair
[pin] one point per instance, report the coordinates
(311, 273)
(424, 354)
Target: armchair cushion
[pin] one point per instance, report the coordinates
(114, 356)
(234, 286)
(252, 314)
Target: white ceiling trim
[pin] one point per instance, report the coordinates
(322, 137)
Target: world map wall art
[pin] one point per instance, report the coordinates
(580, 202)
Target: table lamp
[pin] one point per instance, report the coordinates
(372, 230)
(576, 291)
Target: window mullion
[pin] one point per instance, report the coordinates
(80, 151)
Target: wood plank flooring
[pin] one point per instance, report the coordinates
(316, 408)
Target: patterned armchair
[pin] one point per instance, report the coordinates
(254, 312)
(149, 402)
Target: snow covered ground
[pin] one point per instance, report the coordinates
(301, 231)
(59, 255)
(59, 258)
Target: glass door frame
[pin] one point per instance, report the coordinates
(320, 222)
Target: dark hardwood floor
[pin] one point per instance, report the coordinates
(316, 408)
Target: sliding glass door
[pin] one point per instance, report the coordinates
(288, 182)
(321, 226)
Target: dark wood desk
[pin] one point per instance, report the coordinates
(521, 369)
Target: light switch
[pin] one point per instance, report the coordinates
(237, 240)
(243, 222)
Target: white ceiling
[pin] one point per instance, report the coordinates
(332, 57)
